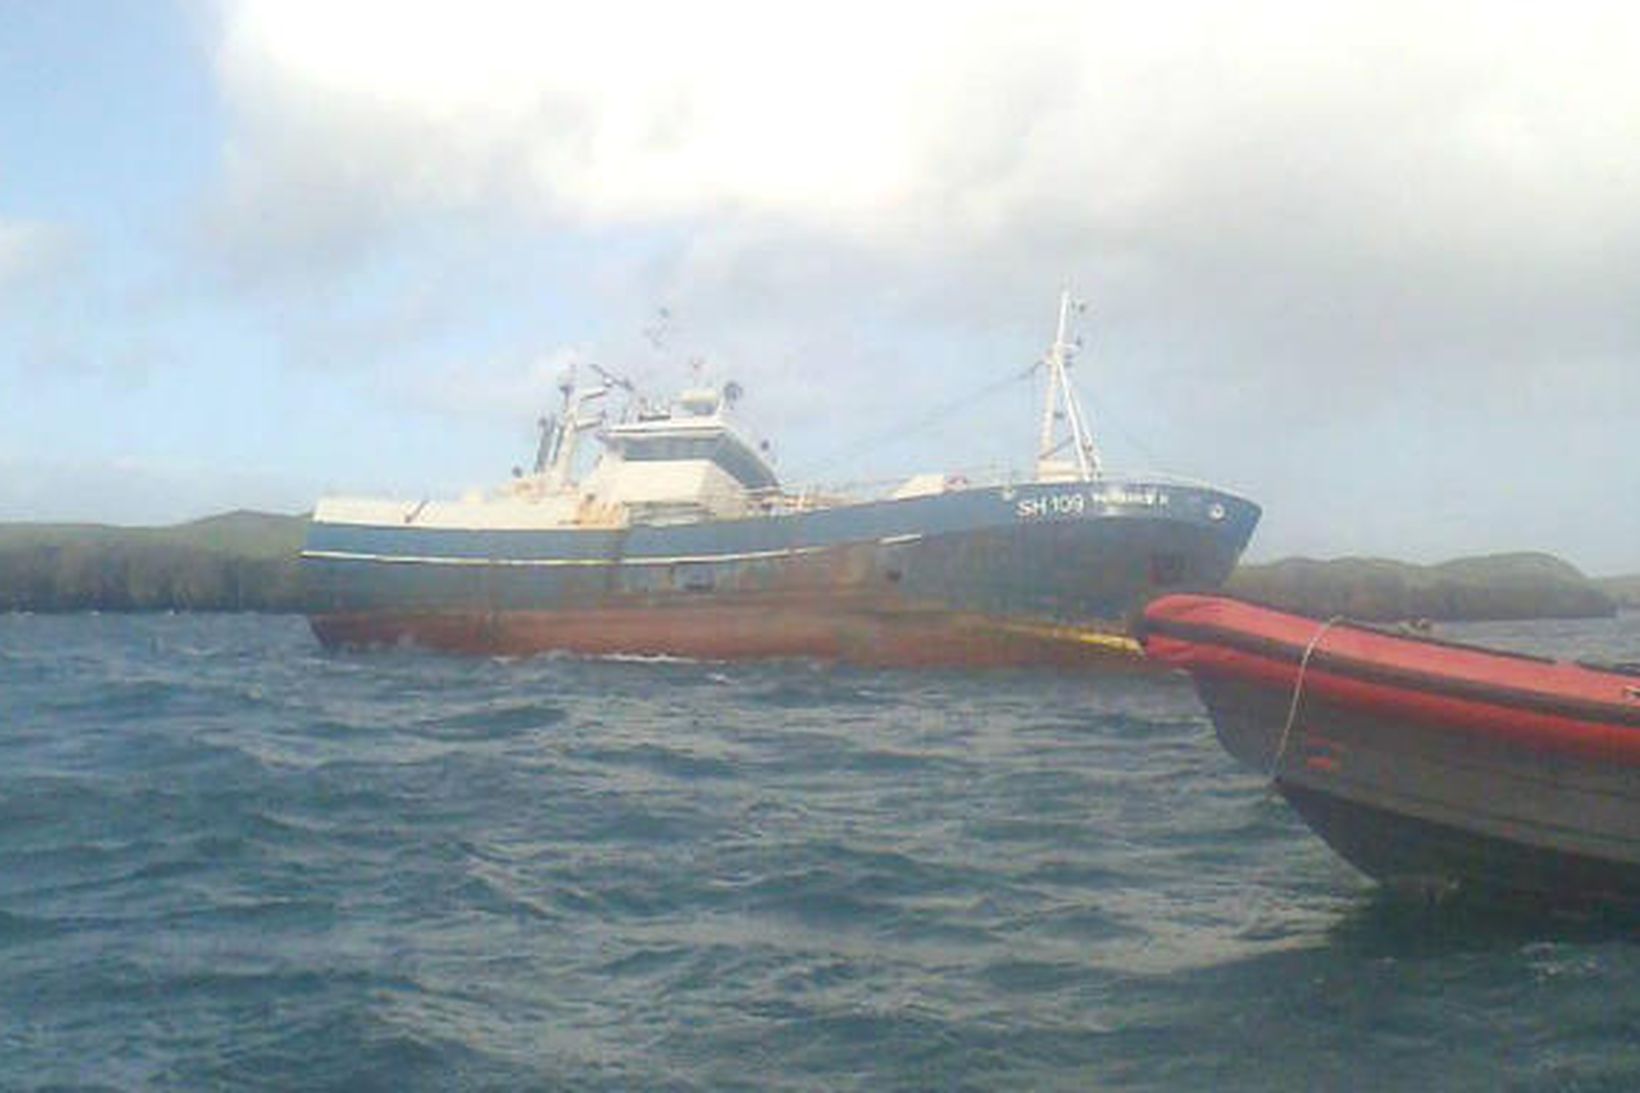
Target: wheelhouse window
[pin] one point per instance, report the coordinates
(726, 451)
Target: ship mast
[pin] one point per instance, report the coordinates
(1064, 424)
(561, 436)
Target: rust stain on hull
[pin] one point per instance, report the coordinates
(898, 639)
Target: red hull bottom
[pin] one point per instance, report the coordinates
(891, 639)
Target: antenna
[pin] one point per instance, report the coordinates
(659, 331)
(611, 380)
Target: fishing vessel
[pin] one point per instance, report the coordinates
(1427, 764)
(681, 541)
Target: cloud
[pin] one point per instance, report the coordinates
(48, 288)
(34, 256)
(1294, 220)
(1243, 154)
(136, 490)
(598, 113)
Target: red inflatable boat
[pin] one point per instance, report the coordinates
(1425, 762)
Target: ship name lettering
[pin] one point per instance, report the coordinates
(1146, 496)
(1051, 504)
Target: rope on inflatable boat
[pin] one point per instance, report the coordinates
(1298, 691)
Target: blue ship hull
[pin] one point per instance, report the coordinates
(1028, 574)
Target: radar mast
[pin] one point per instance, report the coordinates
(1064, 423)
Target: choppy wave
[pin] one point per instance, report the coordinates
(229, 860)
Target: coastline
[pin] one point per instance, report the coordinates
(247, 562)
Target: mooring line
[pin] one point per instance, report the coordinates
(1298, 691)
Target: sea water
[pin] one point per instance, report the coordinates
(231, 860)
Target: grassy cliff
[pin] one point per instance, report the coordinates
(1497, 586)
(239, 561)
(1625, 590)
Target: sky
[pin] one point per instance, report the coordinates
(1375, 266)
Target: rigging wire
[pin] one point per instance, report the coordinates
(1112, 424)
(913, 426)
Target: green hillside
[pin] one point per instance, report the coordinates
(239, 561)
(1625, 590)
(1497, 586)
